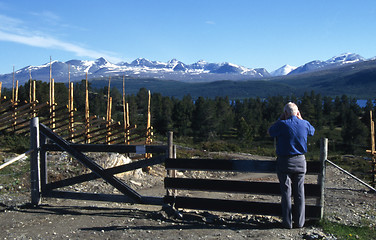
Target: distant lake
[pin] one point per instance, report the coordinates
(362, 102)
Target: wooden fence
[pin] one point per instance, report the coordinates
(66, 121)
(40, 187)
(245, 187)
(165, 154)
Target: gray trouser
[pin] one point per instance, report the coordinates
(296, 180)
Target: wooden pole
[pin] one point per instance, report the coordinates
(321, 177)
(34, 91)
(108, 99)
(16, 93)
(35, 162)
(34, 98)
(31, 94)
(69, 90)
(13, 160)
(87, 113)
(108, 113)
(13, 86)
(70, 105)
(373, 150)
(71, 111)
(15, 103)
(148, 126)
(1, 85)
(50, 100)
(110, 110)
(372, 133)
(108, 131)
(52, 106)
(124, 113)
(128, 123)
(50, 68)
(30, 87)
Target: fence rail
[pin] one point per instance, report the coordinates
(315, 191)
(38, 166)
(167, 154)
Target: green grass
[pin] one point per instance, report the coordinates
(15, 177)
(342, 231)
(14, 143)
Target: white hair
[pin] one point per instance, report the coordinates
(291, 109)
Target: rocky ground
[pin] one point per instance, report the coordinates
(346, 201)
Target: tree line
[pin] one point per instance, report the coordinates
(243, 120)
(247, 120)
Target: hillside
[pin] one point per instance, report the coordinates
(356, 80)
(232, 89)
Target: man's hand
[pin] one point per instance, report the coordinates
(299, 116)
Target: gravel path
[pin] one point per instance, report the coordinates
(346, 201)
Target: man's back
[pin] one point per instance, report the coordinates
(291, 135)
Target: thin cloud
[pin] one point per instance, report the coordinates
(210, 22)
(8, 22)
(13, 30)
(47, 15)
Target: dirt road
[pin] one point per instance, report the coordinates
(346, 201)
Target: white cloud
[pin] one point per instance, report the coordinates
(14, 30)
(48, 15)
(8, 22)
(47, 18)
(210, 22)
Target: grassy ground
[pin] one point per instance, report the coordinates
(342, 231)
(15, 177)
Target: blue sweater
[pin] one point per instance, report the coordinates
(291, 135)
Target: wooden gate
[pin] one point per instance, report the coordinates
(245, 187)
(41, 188)
(38, 165)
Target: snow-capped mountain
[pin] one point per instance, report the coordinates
(141, 67)
(284, 70)
(340, 60)
(174, 69)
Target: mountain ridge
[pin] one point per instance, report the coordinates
(200, 71)
(356, 80)
(174, 69)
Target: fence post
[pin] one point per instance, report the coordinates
(321, 177)
(35, 161)
(171, 154)
(43, 164)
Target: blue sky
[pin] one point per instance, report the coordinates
(249, 33)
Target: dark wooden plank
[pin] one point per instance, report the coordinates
(222, 205)
(89, 196)
(119, 148)
(221, 165)
(114, 170)
(89, 163)
(232, 165)
(214, 185)
(103, 197)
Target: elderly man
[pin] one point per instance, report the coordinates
(291, 132)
